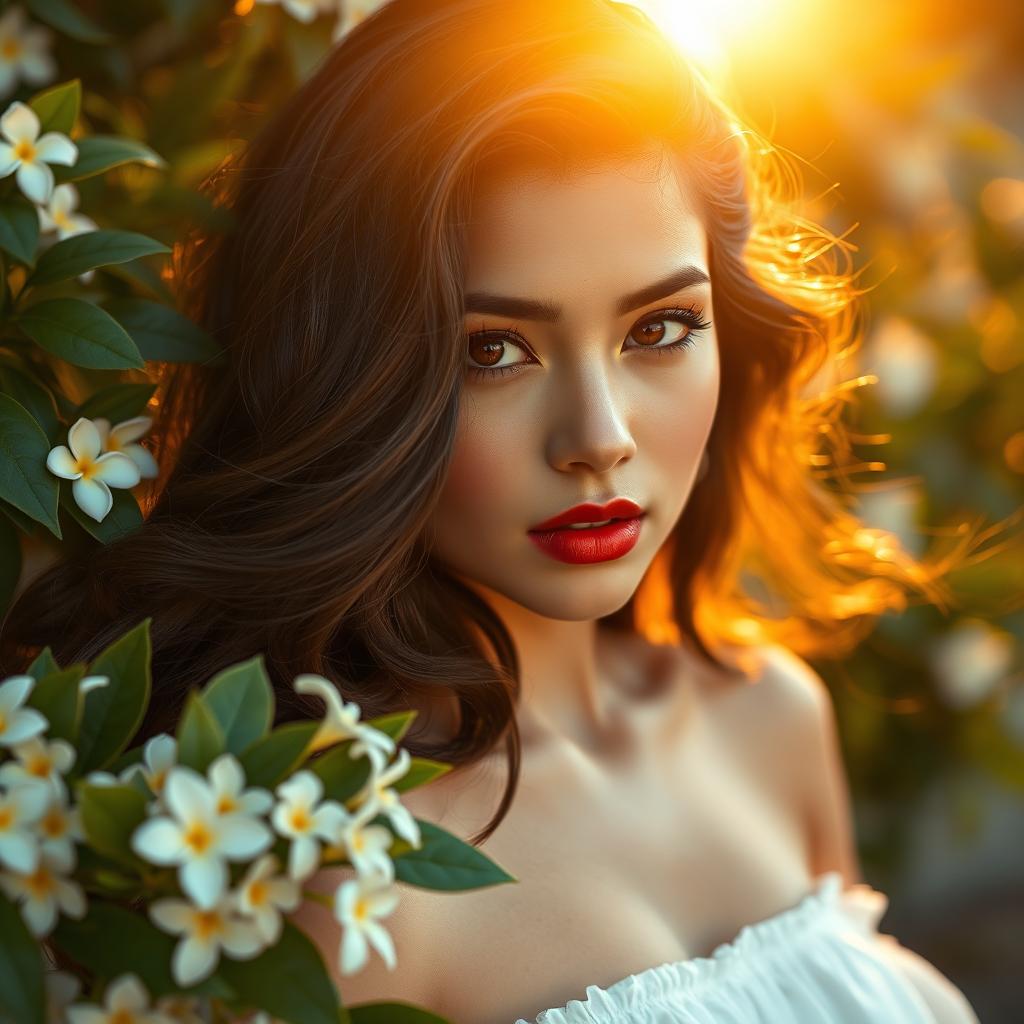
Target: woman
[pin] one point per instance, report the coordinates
(495, 261)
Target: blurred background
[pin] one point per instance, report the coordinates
(907, 118)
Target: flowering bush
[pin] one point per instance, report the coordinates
(158, 878)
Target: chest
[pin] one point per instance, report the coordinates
(617, 874)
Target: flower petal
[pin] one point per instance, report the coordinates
(240, 940)
(84, 439)
(127, 994)
(205, 880)
(35, 180)
(62, 463)
(93, 497)
(303, 857)
(40, 916)
(188, 794)
(14, 691)
(24, 724)
(354, 951)
(18, 850)
(193, 960)
(55, 148)
(20, 122)
(149, 468)
(131, 430)
(242, 837)
(115, 469)
(160, 841)
(226, 775)
(172, 916)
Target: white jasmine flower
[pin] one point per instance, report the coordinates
(40, 761)
(58, 214)
(228, 781)
(20, 808)
(387, 800)
(93, 474)
(18, 723)
(42, 892)
(121, 438)
(342, 720)
(126, 1002)
(198, 838)
(104, 778)
(298, 818)
(366, 846)
(159, 756)
(61, 990)
(29, 155)
(206, 932)
(262, 896)
(58, 829)
(24, 52)
(357, 905)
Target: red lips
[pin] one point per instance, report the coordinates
(588, 512)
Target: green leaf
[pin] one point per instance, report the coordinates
(162, 333)
(124, 515)
(79, 253)
(396, 724)
(421, 771)
(38, 400)
(99, 153)
(21, 969)
(342, 775)
(55, 695)
(19, 229)
(392, 1013)
(58, 106)
(20, 520)
(267, 761)
(65, 18)
(242, 701)
(81, 334)
(200, 738)
(24, 479)
(116, 403)
(110, 938)
(309, 997)
(110, 814)
(10, 563)
(113, 713)
(444, 862)
(43, 664)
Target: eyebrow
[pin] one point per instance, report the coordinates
(532, 309)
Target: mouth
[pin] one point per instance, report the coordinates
(591, 516)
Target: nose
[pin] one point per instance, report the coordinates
(590, 429)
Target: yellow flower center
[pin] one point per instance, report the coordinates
(6, 817)
(123, 1017)
(61, 219)
(300, 819)
(259, 892)
(361, 910)
(358, 842)
(207, 924)
(198, 837)
(40, 765)
(53, 824)
(40, 883)
(25, 151)
(10, 48)
(3, 724)
(226, 804)
(156, 781)
(113, 445)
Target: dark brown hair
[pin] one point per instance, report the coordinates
(298, 475)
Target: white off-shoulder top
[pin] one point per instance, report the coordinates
(821, 961)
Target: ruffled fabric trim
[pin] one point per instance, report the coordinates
(858, 908)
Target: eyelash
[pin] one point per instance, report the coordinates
(692, 317)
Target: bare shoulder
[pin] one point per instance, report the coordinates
(782, 716)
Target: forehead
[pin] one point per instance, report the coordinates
(604, 220)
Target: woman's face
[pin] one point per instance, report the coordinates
(584, 401)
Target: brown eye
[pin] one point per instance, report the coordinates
(487, 348)
(650, 332)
